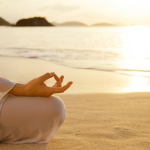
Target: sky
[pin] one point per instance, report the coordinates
(86, 11)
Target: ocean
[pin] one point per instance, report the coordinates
(117, 49)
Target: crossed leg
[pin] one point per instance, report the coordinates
(30, 119)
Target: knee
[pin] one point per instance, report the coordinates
(58, 105)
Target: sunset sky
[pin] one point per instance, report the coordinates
(87, 11)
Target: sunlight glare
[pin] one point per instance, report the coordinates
(139, 41)
(137, 50)
(138, 84)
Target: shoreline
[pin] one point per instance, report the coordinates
(120, 70)
(23, 70)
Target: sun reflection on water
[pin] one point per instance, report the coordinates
(137, 61)
(138, 84)
(136, 51)
(139, 46)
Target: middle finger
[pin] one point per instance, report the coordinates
(57, 79)
(61, 78)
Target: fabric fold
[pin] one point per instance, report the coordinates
(5, 87)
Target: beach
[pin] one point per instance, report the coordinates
(105, 110)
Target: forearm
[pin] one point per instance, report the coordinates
(18, 90)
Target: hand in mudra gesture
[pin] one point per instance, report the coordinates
(37, 87)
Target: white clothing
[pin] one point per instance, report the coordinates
(28, 119)
(5, 87)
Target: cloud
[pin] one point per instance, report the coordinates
(8, 2)
(1, 2)
(61, 7)
(44, 8)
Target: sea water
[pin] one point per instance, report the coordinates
(118, 49)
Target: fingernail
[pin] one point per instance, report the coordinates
(52, 73)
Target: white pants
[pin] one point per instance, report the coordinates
(30, 119)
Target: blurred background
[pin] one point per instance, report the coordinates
(108, 35)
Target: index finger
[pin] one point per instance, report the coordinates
(46, 76)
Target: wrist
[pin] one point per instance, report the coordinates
(18, 90)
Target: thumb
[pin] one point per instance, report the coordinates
(46, 76)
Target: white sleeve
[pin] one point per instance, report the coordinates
(5, 87)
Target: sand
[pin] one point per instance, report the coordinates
(100, 115)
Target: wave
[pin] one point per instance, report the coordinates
(83, 59)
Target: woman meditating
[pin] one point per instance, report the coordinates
(28, 112)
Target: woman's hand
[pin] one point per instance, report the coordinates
(37, 87)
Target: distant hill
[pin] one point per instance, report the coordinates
(4, 22)
(71, 23)
(55, 23)
(107, 24)
(36, 21)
